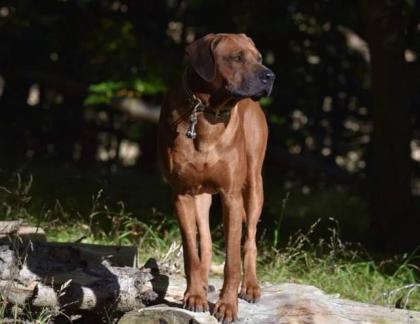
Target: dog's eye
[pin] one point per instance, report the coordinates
(237, 58)
(259, 58)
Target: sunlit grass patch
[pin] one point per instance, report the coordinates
(344, 269)
(327, 262)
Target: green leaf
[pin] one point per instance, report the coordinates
(266, 101)
(104, 92)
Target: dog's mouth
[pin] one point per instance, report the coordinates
(237, 95)
(257, 96)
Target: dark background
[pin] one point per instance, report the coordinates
(81, 82)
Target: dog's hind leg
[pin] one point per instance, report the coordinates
(255, 124)
(253, 196)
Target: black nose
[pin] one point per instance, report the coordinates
(267, 76)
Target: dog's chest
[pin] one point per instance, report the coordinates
(196, 171)
(193, 164)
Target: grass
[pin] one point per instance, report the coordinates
(344, 269)
(327, 262)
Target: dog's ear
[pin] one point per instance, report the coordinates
(200, 54)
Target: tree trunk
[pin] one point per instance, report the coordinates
(392, 216)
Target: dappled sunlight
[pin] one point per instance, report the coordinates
(82, 86)
(33, 96)
(415, 150)
(129, 153)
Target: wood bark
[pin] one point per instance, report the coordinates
(74, 277)
(285, 303)
(9, 227)
(390, 163)
(74, 281)
(11, 232)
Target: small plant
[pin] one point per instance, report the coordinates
(327, 262)
(339, 267)
(15, 199)
(278, 222)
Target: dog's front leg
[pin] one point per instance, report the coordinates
(226, 309)
(195, 297)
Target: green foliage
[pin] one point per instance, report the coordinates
(87, 52)
(266, 101)
(104, 92)
(343, 268)
(110, 225)
(110, 49)
(304, 208)
(321, 259)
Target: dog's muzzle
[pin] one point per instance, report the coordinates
(267, 79)
(255, 86)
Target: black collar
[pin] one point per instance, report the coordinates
(196, 103)
(217, 113)
(198, 106)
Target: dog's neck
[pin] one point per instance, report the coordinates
(211, 127)
(213, 96)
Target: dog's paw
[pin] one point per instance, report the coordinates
(196, 302)
(226, 311)
(251, 293)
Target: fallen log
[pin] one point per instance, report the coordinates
(280, 303)
(74, 277)
(165, 314)
(22, 235)
(9, 227)
(14, 233)
(70, 278)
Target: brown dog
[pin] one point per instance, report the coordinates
(212, 139)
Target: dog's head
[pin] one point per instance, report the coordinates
(232, 62)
